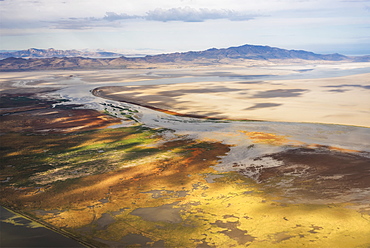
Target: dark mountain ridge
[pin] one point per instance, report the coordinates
(211, 56)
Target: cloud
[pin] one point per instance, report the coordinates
(72, 23)
(82, 23)
(111, 16)
(188, 14)
(359, 1)
(185, 14)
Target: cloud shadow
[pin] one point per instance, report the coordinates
(263, 105)
(279, 93)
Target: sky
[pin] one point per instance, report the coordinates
(162, 26)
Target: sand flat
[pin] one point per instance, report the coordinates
(339, 100)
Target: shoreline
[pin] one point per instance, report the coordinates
(96, 93)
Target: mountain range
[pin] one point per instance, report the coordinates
(73, 59)
(247, 52)
(51, 52)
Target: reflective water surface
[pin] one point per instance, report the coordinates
(17, 231)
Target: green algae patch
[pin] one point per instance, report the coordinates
(43, 159)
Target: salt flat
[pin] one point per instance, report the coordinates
(334, 100)
(330, 93)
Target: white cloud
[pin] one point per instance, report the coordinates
(75, 23)
(188, 14)
(112, 16)
(361, 1)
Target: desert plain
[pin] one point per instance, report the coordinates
(229, 156)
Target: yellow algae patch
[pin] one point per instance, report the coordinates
(72, 218)
(270, 224)
(18, 220)
(269, 138)
(231, 212)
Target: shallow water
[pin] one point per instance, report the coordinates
(17, 231)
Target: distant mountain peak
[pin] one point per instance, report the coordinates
(51, 52)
